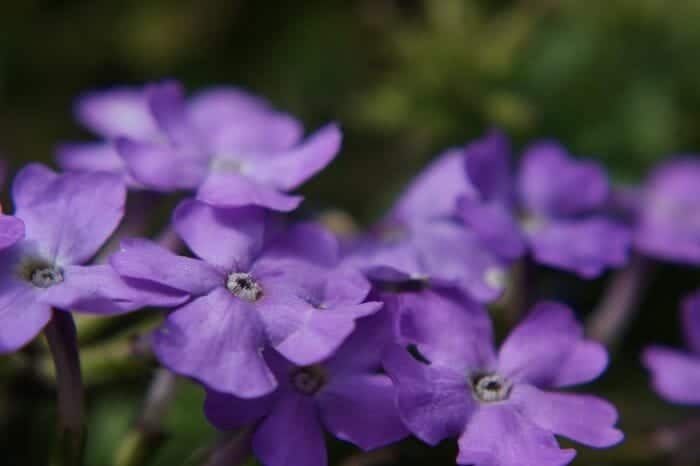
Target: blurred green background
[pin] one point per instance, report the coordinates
(616, 80)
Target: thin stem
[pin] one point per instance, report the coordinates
(620, 302)
(142, 441)
(233, 451)
(61, 337)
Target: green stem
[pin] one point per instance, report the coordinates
(61, 337)
(234, 451)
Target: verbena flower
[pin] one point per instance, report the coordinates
(229, 147)
(553, 208)
(67, 219)
(499, 404)
(676, 374)
(668, 224)
(423, 239)
(345, 395)
(252, 287)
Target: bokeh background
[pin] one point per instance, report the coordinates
(616, 80)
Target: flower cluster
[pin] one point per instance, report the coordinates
(292, 332)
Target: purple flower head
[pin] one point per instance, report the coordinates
(499, 404)
(345, 395)
(67, 219)
(229, 147)
(251, 287)
(422, 239)
(668, 224)
(676, 374)
(553, 208)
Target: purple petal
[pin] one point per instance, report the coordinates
(22, 316)
(166, 102)
(291, 435)
(691, 321)
(449, 329)
(146, 260)
(586, 419)
(498, 435)
(159, 167)
(254, 137)
(585, 247)
(116, 112)
(215, 339)
(99, 289)
(495, 225)
(434, 193)
(238, 233)
(74, 214)
(585, 363)
(228, 412)
(553, 183)
(676, 375)
(216, 104)
(307, 241)
(537, 348)
(227, 189)
(11, 230)
(433, 403)
(374, 421)
(488, 166)
(288, 170)
(90, 157)
(30, 183)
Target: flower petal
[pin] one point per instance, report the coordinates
(146, 260)
(90, 157)
(374, 421)
(11, 230)
(166, 102)
(228, 412)
(120, 111)
(495, 226)
(434, 403)
(30, 183)
(228, 189)
(554, 184)
(498, 435)
(291, 435)
(691, 321)
(22, 316)
(227, 238)
(74, 214)
(583, 418)
(676, 375)
(488, 166)
(218, 340)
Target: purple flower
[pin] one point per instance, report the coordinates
(252, 287)
(67, 219)
(553, 208)
(422, 238)
(499, 404)
(11, 228)
(676, 374)
(668, 224)
(345, 395)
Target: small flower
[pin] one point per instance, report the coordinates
(553, 208)
(67, 219)
(668, 225)
(345, 395)
(423, 239)
(676, 374)
(252, 288)
(499, 404)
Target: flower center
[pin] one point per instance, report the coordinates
(226, 165)
(490, 388)
(243, 286)
(45, 277)
(308, 380)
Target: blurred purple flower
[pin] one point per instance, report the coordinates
(252, 288)
(422, 238)
(668, 225)
(554, 208)
(497, 403)
(230, 147)
(676, 374)
(345, 395)
(67, 219)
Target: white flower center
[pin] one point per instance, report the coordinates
(491, 388)
(243, 286)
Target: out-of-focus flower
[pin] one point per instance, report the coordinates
(498, 404)
(67, 219)
(229, 147)
(252, 288)
(553, 208)
(668, 223)
(345, 395)
(422, 238)
(676, 374)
